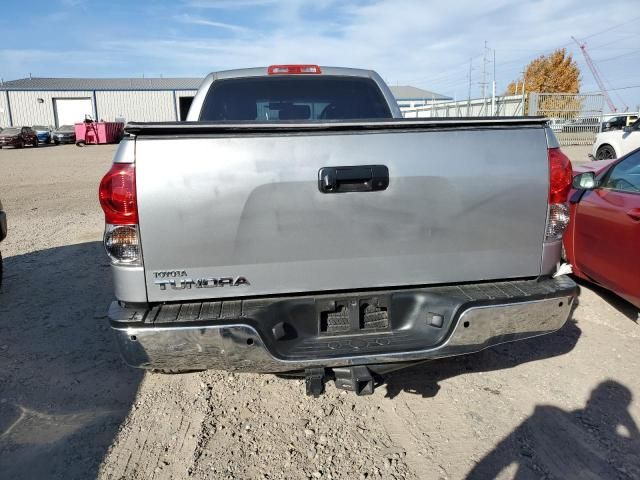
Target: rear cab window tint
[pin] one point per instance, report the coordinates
(265, 99)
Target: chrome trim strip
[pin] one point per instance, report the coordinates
(239, 347)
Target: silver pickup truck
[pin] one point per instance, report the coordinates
(296, 223)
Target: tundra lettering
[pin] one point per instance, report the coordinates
(183, 283)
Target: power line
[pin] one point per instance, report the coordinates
(618, 56)
(612, 27)
(602, 45)
(629, 87)
(443, 75)
(435, 79)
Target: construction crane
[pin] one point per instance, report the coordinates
(596, 75)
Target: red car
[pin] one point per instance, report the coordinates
(602, 241)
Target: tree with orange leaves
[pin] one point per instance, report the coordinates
(557, 72)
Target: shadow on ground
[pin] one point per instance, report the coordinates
(620, 304)
(423, 379)
(64, 390)
(599, 441)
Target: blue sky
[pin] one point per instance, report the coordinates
(423, 43)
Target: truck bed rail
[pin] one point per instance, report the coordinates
(281, 126)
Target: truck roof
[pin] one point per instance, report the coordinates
(198, 100)
(263, 71)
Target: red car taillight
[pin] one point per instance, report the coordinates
(118, 199)
(560, 176)
(118, 195)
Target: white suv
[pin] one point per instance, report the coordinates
(616, 143)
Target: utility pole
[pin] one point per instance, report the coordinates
(469, 94)
(484, 83)
(493, 86)
(524, 82)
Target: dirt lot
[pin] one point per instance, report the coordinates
(561, 406)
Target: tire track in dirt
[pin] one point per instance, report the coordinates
(161, 434)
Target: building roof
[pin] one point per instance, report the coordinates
(407, 92)
(401, 92)
(41, 83)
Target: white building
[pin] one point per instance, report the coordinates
(64, 101)
(412, 97)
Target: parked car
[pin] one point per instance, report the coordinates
(603, 239)
(18, 137)
(44, 133)
(3, 234)
(618, 122)
(616, 143)
(333, 240)
(581, 124)
(64, 134)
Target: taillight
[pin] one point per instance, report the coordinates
(560, 176)
(122, 244)
(118, 199)
(557, 221)
(118, 195)
(293, 69)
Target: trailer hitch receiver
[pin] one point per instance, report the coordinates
(354, 379)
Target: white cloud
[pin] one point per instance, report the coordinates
(407, 41)
(194, 20)
(424, 43)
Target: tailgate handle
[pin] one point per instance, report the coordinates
(361, 178)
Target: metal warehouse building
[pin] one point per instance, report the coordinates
(64, 101)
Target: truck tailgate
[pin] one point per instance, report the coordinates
(463, 204)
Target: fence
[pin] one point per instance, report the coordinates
(574, 118)
(503, 106)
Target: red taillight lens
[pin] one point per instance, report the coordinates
(118, 195)
(560, 176)
(293, 69)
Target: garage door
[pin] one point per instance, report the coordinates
(72, 110)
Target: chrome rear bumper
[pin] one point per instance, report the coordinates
(239, 346)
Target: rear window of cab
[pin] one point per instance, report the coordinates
(265, 99)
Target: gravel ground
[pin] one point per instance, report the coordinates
(578, 153)
(561, 406)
